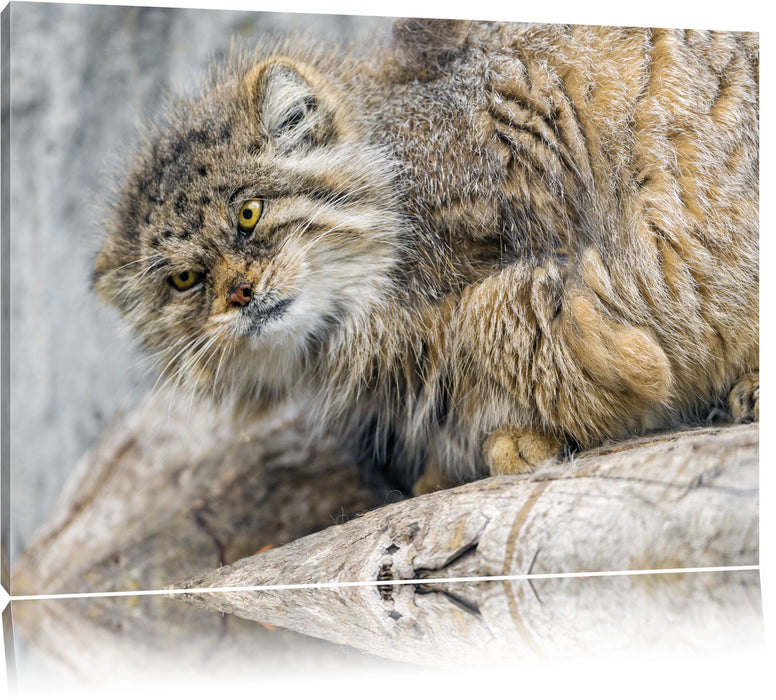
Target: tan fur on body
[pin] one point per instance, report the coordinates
(481, 242)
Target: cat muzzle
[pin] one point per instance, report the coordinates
(259, 314)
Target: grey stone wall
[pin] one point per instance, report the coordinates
(82, 78)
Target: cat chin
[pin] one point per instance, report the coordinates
(260, 368)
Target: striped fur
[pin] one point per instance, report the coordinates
(479, 243)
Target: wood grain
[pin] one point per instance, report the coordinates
(170, 491)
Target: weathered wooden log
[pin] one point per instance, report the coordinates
(167, 491)
(186, 486)
(667, 502)
(171, 490)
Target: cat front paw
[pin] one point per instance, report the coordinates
(510, 451)
(744, 398)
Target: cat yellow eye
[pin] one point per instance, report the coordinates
(250, 212)
(186, 280)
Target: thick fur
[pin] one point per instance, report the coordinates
(478, 244)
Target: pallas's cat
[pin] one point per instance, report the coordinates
(467, 248)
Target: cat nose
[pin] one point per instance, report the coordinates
(239, 295)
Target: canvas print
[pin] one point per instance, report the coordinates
(382, 343)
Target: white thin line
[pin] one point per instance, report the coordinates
(394, 582)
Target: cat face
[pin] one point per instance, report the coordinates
(259, 223)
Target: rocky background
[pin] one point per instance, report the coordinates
(83, 77)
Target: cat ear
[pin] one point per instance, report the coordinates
(291, 112)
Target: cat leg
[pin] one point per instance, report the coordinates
(509, 451)
(433, 479)
(548, 351)
(744, 398)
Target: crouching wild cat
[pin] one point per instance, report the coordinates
(469, 248)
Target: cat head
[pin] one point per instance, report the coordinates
(256, 225)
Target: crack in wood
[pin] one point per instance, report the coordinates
(530, 581)
(455, 557)
(457, 600)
